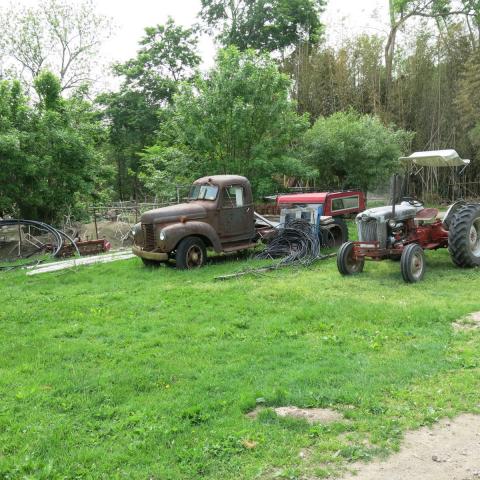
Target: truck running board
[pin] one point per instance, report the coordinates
(238, 246)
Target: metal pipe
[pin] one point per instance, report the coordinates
(95, 222)
(394, 196)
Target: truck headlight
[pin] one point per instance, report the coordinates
(137, 229)
(392, 223)
(162, 236)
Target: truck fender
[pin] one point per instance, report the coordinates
(176, 232)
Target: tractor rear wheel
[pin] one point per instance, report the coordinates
(412, 263)
(347, 263)
(464, 237)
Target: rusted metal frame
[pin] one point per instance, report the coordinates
(95, 221)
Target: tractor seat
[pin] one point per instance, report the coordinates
(426, 215)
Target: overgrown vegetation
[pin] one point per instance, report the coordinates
(239, 120)
(117, 371)
(352, 150)
(257, 112)
(49, 155)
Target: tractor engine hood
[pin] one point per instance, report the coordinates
(383, 214)
(173, 213)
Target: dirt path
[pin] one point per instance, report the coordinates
(448, 451)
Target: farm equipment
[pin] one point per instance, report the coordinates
(326, 211)
(85, 247)
(220, 215)
(404, 231)
(30, 241)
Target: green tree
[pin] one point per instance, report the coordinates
(327, 81)
(401, 11)
(353, 150)
(56, 35)
(14, 120)
(49, 154)
(168, 55)
(239, 120)
(163, 168)
(468, 106)
(262, 24)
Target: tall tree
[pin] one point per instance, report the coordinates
(167, 56)
(57, 35)
(400, 11)
(264, 24)
(14, 120)
(468, 100)
(326, 81)
(50, 159)
(240, 120)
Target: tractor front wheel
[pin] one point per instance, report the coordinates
(347, 263)
(412, 263)
(464, 237)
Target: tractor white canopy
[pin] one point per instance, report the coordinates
(436, 158)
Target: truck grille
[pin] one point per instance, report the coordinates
(148, 237)
(372, 231)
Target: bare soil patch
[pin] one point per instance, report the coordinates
(448, 451)
(117, 233)
(311, 415)
(470, 322)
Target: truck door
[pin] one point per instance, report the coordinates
(236, 217)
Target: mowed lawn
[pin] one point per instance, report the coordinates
(119, 371)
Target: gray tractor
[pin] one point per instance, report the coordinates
(405, 230)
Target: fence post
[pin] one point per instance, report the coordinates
(95, 221)
(19, 240)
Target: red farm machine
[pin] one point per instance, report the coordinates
(326, 211)
(405, 230)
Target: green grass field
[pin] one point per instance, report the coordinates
(118, 371)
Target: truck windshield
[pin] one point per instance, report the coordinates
(203, 192)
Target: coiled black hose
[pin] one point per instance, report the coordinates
(295, 242)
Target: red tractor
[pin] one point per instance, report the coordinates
(402, 232)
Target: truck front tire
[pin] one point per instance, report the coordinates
(191, 253)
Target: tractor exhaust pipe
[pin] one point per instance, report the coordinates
(394, 194)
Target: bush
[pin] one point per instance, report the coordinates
(353, 150)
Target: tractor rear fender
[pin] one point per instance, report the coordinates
(175, 232)
(452, 210)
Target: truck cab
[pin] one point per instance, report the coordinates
(218, 215)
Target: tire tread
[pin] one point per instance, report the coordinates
(458, 236)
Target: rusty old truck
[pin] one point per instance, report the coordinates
(218, 215)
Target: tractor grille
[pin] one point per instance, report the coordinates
(372, 231)
(148, 237)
